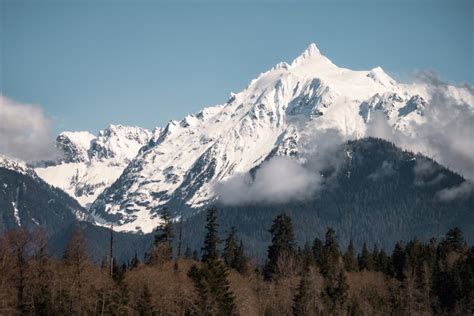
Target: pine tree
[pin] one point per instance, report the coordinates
(330, 254)
(210, 280)
(398, 261)
(454, 240)
(382, 262)
(365, 259)
(162, 249)
(301, 300)
(350, 261)
(230, 249)
(240, 261)
(335, 292)
(283, 245)
(317, 251)
(211, 240)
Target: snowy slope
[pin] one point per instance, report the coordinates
(182, 165)
(88, 164)
(27, 201)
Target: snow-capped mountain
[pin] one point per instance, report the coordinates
(183, 164)
(87, 164)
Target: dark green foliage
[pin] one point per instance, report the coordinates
(350, 261)
(302, 298)
(210, 280)
(241, 261)
(213, 289)
(382, 262)
(307, 257)
(211, 240)
(379, 211)
(335, 292)
(365, 259)
(283, 244)
(230, 248)
(454, 240)
(330, 254)
(234, 254)
(398, 261)
(162, 249)
(317, 250)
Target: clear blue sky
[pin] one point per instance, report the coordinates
(91, 63)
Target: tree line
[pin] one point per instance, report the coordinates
(314, 279)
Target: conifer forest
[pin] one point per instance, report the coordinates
(412, 278)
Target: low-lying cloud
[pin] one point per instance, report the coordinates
(284, 179)
(278, 180)
(446, 135)
(458, 192)
(25, 131)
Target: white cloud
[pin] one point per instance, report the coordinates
(461, 191)
(284, 179)
(25, 131)
(278, 180)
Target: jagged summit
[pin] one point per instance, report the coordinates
(179, 166)
(88, 163)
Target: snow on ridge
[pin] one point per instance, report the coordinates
(190, 157)
(89, 163)
(181, 164)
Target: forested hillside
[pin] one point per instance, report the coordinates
(379, 194)
(322, 278)
(29, 202)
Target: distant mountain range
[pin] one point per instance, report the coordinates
(310, 112)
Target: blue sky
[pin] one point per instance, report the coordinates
(91, 63)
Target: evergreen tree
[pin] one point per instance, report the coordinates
(307, 257)
(350, 261)
(240, 261)
(382, 262)
(398, 261)
(162, 249)
(211, 240)
(302, 298)
(230, 249)
(210, 280)
(454, 240)
(330, 254)
(335, 292)
(283, 245)
(365, 259)
(317, 251)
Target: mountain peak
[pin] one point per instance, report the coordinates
(312, 52)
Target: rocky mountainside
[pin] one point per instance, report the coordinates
(280, 113)
(379, 193)
(27, 201)
(87, 164)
